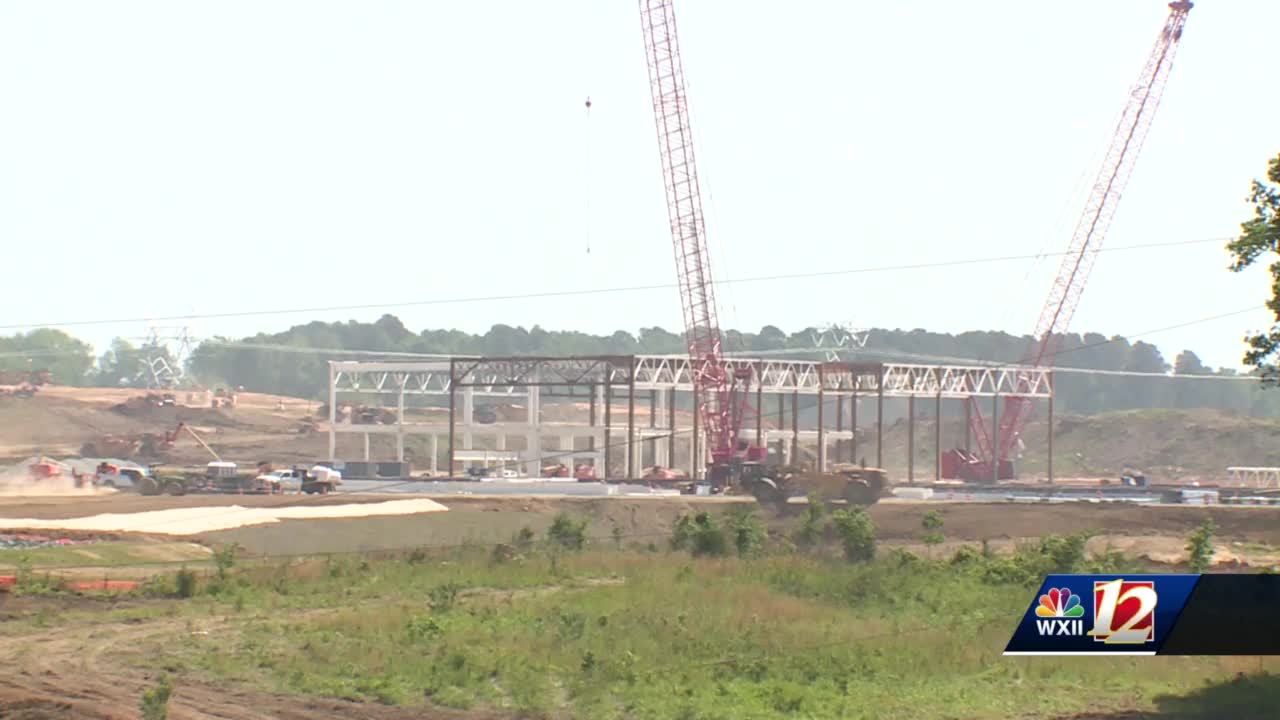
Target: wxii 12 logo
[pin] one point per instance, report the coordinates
(1123, 613)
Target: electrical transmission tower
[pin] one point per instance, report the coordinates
(835, 338)
(163, 361)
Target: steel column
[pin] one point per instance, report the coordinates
(839, 427)
(608, 427)
(591, 419)
(937, 439)
(853, 427)
(795, 427)
(1050, 431)
(968, 424)
(400, 421)
(631, 426)
(995, 425)
(822, 433)
(759, 410)
(671, 444)
(333, 413)
(693, 443)
(911, 439)
(453, 404)
(880, 426)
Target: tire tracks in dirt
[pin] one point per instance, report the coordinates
(69, 672)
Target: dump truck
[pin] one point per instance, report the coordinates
(847, 485)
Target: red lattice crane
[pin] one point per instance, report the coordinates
(717, 394)
(1090, 231)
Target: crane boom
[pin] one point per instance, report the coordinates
(1091, 229)
(711, 384)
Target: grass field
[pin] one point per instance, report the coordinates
(543, 630)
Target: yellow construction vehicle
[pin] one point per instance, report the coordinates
(849, 485)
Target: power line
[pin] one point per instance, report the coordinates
(588, 291)
(752, 353)
(1087, 346)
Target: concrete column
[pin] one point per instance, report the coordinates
(500, 442)
(822, 431)
(366, 447)
(534, 401)
(533, 455)
(435, 454)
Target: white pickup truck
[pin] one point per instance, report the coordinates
(318, 479)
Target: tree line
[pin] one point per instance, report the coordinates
(294, 362)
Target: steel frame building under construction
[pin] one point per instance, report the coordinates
(615, 385)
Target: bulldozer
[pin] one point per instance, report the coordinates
(850, 485)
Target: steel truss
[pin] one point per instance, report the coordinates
(655, 380)
(501, 376)
(898, 379)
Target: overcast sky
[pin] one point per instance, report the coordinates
(164, 158)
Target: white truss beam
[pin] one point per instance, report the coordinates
(897, 379)
(1254, 477)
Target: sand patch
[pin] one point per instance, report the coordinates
(193, 521)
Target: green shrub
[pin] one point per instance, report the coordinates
(749, 533)
(701, 534)
(857, 534)
(932, 523)
(523, 540)
(1200, 546)
(810, 531)
(566, 533)
(185, 583)
(155, 702)
(442, 598)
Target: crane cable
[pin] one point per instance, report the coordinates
(587, 222)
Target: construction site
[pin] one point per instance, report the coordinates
(415, 543)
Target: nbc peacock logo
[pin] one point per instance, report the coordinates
(1059, 613)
